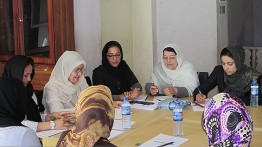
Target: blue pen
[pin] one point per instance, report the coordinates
(169, 143)
(199, 90)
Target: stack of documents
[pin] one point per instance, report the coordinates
(145, 107)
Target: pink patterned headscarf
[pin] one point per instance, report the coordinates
(227, 122)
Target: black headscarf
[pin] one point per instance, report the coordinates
(14, 68)
(122, 71)
(239, 83)
(12, 102)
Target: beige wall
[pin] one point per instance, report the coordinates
(194, 25)
(88, 32)
(131, 26)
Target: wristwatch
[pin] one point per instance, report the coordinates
(52, 125)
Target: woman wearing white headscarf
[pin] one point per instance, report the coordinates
(173, 76)
(65, 84)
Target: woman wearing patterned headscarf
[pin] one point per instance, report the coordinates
(173, 76)
(116, 74)
(233, 76)
(94, 119)
(227, 122)
(65, 83)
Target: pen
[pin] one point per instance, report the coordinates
(199, 104)
(199, 90)
(169, 143)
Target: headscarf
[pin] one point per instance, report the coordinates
(14, 68)
(183, 76)
(94, 118)
(239, 83)
(122, 71)
(65, 65)
(12, 102)
(227, 122)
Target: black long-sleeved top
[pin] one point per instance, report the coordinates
(114, 83)
(216, 78)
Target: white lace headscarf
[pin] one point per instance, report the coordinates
(61, 72)
(183, 76)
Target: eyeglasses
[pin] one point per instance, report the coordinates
(170, 58)
(113, 55)
(78, 70)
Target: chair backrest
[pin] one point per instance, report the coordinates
(253, 57)
(202, 76)
(39, 96)
(88, 80)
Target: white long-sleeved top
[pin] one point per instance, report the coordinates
(18, 136)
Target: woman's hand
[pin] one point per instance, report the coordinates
(62, 124)
(200, 97)
(118, 104)
(170, 91)
(135, 93)
(58, 115)
(69, 116)
(153, 90)
(131, 94)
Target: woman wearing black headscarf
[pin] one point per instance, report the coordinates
(22, 68)
(13, 103)
(116, 74)
(233, 76)
(14, 68)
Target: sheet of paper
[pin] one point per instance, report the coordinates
(144, 107)
(48, 133)
(162, 139)
(198, 108)
(161, 98)
(140, 98)
(118, 124)
(118, 114)
(115, 133)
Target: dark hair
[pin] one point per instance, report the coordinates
(226, 52)
(169, 49)
(30, 61)
(105, 50)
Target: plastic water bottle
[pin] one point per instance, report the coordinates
(164, 105)
(254, 94)
(170, 105)
(178, 120)
(126, 115)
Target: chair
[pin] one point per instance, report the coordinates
(202, 76)
(88, 80)
(39, 96)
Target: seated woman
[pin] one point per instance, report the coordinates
(13, 103)
(233, 76)
(65, 83)
(22, 68)
(95, 117)
(116, 74)
(173, 76)
(227, 122)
